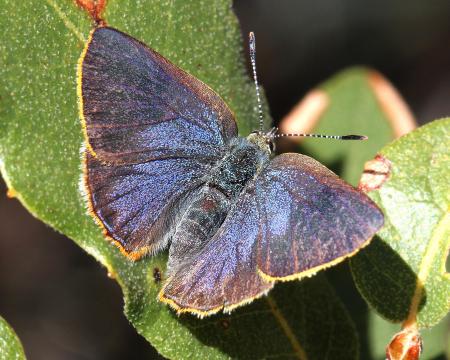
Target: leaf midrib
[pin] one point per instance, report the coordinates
(427, 262)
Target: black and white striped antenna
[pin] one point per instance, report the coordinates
(252, 46)
(335, 137)
(274, 132)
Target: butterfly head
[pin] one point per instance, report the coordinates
(264, 139)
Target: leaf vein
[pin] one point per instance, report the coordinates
(69, 24)
(299, 351)
(430, 254)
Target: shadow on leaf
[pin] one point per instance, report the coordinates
(294, 320)
(387, 281)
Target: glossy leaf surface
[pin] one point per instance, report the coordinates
(10, 346)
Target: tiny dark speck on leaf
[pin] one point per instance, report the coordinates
(225, 324)
(157, 276)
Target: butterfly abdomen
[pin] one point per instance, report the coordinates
(205, 213)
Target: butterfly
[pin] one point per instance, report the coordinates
(164, 167)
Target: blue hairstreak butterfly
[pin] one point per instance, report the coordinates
(165, 167)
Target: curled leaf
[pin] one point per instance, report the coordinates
(405, 345)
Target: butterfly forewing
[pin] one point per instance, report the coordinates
(137, 106)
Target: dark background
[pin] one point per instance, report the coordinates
(60, 301)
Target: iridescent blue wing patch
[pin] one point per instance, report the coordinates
(309, 218)
(137, 204)
(137, 106)
(152, 132)
(223, 274)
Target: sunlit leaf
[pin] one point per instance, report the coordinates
(10, 346)
(402, 273)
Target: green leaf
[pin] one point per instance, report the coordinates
(352, 109)
(40, 137)
(10, 346)
(297, 320)
(402, 273)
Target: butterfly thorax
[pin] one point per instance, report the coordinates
(242, 160)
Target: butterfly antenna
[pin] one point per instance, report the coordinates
(252, 46)
(336, 137)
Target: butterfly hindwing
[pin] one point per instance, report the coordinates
(295, 218)
(137, 204)
(310, 218)
(137, 106)
(223, 274)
